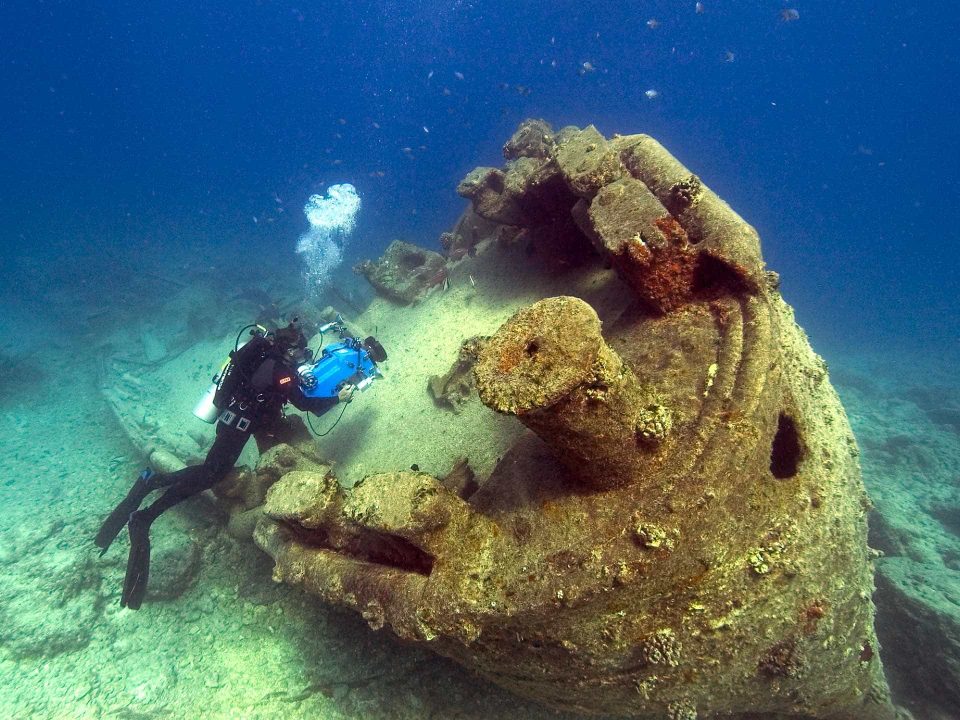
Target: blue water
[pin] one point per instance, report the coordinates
(169, 137)
(835, 134)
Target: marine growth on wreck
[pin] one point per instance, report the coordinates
(676, 526)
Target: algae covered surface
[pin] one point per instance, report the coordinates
(690, 484)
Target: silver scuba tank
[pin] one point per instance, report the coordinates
(205, 409)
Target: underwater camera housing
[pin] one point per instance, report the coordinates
(349, 361)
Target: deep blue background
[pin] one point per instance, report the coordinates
(128, 124)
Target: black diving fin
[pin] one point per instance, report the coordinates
(138, 564)
(121, 513)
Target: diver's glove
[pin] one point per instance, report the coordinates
(345, 393)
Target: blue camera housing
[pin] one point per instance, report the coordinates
(339, 364)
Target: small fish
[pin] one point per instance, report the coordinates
(458, 75)
(376, 126)
(426, 129)
(473, 282)
(653, 23)
(652, 94)
(699, 8)
(446, 92)
(429, 74)
(789, 15)
(446, 283)
(342, 121)
(255, 221)
(729, 56)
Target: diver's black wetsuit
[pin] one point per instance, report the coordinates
(259, 381)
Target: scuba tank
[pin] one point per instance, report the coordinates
(207, 408)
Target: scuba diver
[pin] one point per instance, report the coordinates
(246, 398)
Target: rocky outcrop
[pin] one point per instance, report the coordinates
(918, 621)
(405, 272)
(452, 389)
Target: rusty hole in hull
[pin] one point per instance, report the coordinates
(786, 451)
